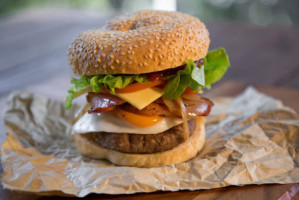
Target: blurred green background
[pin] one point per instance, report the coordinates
(259, 12)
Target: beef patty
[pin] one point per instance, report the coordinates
(141, 143)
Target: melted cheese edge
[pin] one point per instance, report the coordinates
(141, 98)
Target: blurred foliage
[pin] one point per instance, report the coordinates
(260, 12)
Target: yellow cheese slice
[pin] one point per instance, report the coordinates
(141, 98)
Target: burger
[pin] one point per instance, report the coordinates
(143, 75)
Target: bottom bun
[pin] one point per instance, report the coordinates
(180, 153)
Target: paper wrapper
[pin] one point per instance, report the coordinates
(251, 139)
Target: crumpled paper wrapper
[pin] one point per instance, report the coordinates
(251, 139)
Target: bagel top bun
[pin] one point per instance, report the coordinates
(142, 42)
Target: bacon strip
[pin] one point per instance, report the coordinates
(153, 109)
(200, 107)
(101, 102)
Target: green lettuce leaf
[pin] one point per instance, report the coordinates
(190, 76)
(80, 86)
(97, 82)
(216, 63)
(94, 84)
(198, 78)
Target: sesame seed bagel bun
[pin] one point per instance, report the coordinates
(179, 154)
(142, 42)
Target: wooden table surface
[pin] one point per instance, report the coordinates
(33, 49)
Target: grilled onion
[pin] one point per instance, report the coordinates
(184, 117)
(173, 107)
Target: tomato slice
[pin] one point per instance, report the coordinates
(138, 120)
(138, 86)
(189, 91)
(155, 76)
